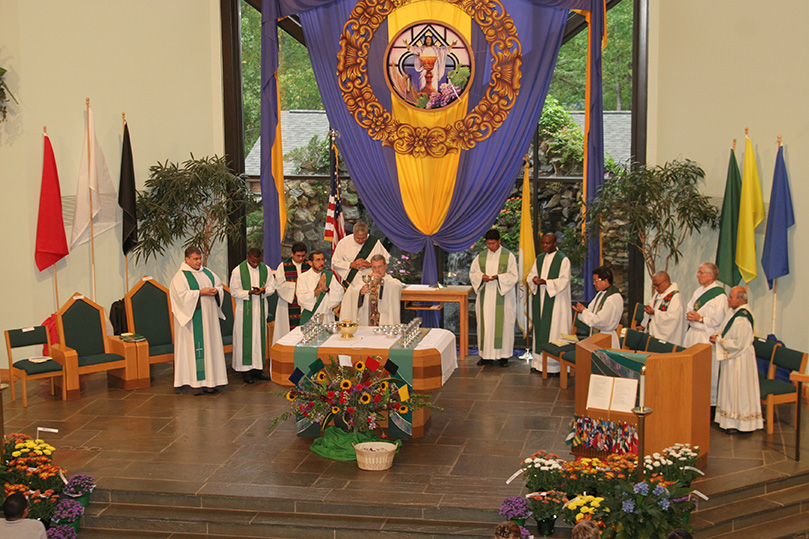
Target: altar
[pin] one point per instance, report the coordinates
(425, 366)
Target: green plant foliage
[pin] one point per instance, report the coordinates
(197, 202)
(653, 208)
(459, 76)
(508, 223)
(5, 94)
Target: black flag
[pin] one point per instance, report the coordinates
(126, 196)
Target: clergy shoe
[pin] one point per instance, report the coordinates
(211, 390)
(481, 362)
(258, 374)
(247, 377)
(197, 392)
(536, 370)
(504, 362)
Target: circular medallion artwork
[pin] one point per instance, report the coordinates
(429, 65)
(479, 123)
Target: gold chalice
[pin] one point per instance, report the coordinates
(347, 328)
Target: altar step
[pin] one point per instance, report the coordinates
(155, 515)
(773, 509)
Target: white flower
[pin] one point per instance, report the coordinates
(527, 461)
(657, 464)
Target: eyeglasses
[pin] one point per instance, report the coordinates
(596, 280)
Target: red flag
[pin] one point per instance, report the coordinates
(51, 241)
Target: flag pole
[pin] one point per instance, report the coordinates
(775, 283)
(126, 255)
(90, 194)
(55, 279)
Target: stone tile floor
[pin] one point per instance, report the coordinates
(156, 440)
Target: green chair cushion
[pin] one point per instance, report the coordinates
(570, 356)
(95, 359)
(160, 349)
(32, 368)
(656, 346)
(678, 348)
(775, 387)
(635, 340)
(18, 338)
(227, 339)
(555, 350)
(150, 311)
(83, 330)
(764, 348)
(788, 358)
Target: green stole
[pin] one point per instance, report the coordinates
(364, 253)
(196, 322)
(500, 304)
(612, 289)
(307, 315)
(744, 313)
(542, 321)
(707, 296)
(247, 312)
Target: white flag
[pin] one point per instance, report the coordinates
(94, 180)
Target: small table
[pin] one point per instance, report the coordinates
(448, 294)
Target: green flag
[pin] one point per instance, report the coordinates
(728, 227)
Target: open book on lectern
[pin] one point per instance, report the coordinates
(614, 380)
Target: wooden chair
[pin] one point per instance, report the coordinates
(226, 325)
(637, 316)
(555, 351)
(148, 312)
(84, 347)
(25, 369)
(765, 350)
(777, 391)
(656, 346)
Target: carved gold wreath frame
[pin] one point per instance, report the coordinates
(478, 124)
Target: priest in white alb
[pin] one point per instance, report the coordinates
(665, 314)
(250, 284)
(375, 303)
(494, 277)
(287, 310)
(705, 313)
(739, 401)
(318, 290)
(196, 299)
(352, 256)
(603, 314)
(549, 282)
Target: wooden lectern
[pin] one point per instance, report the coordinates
(678, 390)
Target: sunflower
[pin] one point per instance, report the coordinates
(321, 376)
(290, 396)
(365, 398)
(360, 366)
(383, 386)
(345, 384)
(335, 410)
(403, 409)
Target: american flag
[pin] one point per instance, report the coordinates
(335, 223)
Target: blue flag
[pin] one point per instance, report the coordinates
(775, 259)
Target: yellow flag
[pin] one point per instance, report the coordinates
(527, 252)
(751, 213)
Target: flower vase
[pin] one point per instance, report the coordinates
(83, 499)
(520, 521)
(546, 525)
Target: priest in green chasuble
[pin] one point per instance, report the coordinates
(494, 277)
(705, 312)
(549, 282)
(250, 284)
(196, 299)
(739, 401)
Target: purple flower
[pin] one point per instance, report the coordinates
(515, 507)
(664, 504)
(68, 510)
(62, 532)
(628, 506)
(524, 534)
(660, 490)
(79, 484)
(641, 488)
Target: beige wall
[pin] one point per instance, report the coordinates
(717, 67)
(157, 60)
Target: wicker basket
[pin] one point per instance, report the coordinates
(375, 455)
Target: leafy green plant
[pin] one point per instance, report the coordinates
(198, 202)
(647, 510)
(5, 93)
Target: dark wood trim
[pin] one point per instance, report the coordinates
(640, 83)
(230, 12)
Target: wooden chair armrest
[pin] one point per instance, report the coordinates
(798, 377)
(117, 346)
(64, 355)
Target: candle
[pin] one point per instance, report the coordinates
(642, 387)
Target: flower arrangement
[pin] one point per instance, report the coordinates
(648, 509)
(586, 507)
(595, 475)
(515, 508)
(546, 505)
(676, 463)
(30, 447)
(355, 396)
(79, 485)
(42, 505)
(542, 471)
(68, 510)
(62, 531)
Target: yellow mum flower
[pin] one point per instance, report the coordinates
(17, 446)
(38, 452)
(579, 517)
(16, 454)
(47, 452)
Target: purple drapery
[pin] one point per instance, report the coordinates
(485, 175)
